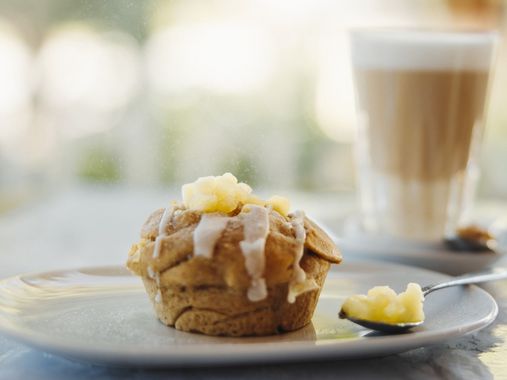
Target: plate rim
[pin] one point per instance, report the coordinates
(371, 243)
(234, 353)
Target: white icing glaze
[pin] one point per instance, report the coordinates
(254, 263)
(151, 272)
(299, 275)
(257, 290)
(297, 288)
(158, 296)
(162, 232)
(255, 231)
(207, 233)
(162, 228)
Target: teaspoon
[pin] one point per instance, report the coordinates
(395, 328)
(472, 239)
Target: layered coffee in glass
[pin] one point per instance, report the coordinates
(421, 98)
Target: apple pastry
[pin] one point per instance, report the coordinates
(225, 262)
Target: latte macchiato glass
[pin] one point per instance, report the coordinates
(421, 99)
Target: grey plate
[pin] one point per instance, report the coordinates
(432, 255)
(429, 256)
(102, 315)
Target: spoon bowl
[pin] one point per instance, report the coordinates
(472, 239)
(397, 328)
(458, 244)
(390, 328)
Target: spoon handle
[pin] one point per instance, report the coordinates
(492, 274)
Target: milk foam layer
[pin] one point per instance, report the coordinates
(418, 49)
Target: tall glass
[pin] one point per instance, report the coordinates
(421, 99)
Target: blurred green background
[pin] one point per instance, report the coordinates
(156, 93)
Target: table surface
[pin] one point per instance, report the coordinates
(64, 230)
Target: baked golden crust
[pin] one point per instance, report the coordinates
(208, 295)
(222, 310)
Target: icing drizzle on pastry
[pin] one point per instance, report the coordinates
(255, 231)
(162, 232)
(158, 296)
(151, 272)
(299, 284)
(162, 229)
(207, 233)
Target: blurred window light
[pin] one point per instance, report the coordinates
(82, 67)
(294, 12)
(219, 57)
(15, 69)
(334, 103)
(15, 88)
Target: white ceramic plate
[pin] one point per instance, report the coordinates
(353, 242)
(102, 315)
